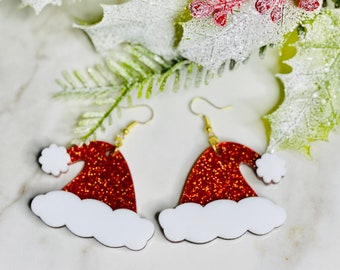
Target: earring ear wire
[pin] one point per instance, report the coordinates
(212, 138)
(141, 106)
(118, 140)
(195, 99)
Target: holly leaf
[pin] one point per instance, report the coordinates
(145, 22)
(247, 30)
(38, 5)
(311, 108)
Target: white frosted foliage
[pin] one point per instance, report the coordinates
(145, 22)
(311, 108)
(38, 5)
(247, 30)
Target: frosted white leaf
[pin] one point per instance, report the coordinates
(38, 5)
(311, 108)
(210, 45)
(145, 22)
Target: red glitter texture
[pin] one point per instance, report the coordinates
(217, 176)
(105, 177)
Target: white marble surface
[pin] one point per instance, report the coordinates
(34, 51)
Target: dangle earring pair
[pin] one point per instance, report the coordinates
(216, 200)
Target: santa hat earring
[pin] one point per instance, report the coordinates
(217, 201)
(100, 201)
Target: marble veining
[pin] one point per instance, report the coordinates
(34, 51)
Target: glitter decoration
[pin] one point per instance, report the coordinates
(218, 8)
(247, 30)
(99, 202)
(217, 176)
(217, 202)
(146, 22)
(105, 177)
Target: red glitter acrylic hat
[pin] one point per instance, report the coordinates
(217, 201)
(100, 201)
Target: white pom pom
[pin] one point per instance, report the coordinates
(54, 159)
(271, 168)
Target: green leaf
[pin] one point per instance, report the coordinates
(311, 107)
(139, 73)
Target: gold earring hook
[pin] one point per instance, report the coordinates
(140, 106)
(212, 138)
(207, 101)
(118, 140)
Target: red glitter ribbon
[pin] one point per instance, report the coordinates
(105, 177)
(217, 176)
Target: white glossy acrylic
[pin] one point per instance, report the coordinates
(222, 218)
(93, 218)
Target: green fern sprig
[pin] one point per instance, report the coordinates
(135, 71)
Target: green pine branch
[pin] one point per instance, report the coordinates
(134, 71)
